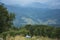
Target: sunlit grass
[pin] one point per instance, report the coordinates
(33, 38)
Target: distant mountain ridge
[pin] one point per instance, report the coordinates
(34, 14)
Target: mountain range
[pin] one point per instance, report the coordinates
(32, 15)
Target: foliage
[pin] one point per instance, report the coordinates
(6, 18)
(43, 30)
(37, 30)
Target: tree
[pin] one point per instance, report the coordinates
(6, 18)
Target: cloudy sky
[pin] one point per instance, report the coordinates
(42, 3)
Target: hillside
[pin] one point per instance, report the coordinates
(35, 15)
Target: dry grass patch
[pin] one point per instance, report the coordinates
(19, 37)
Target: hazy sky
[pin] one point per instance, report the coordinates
(47, 3)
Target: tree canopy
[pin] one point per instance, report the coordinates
(6, 18)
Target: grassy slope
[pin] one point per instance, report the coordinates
(24, 38)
